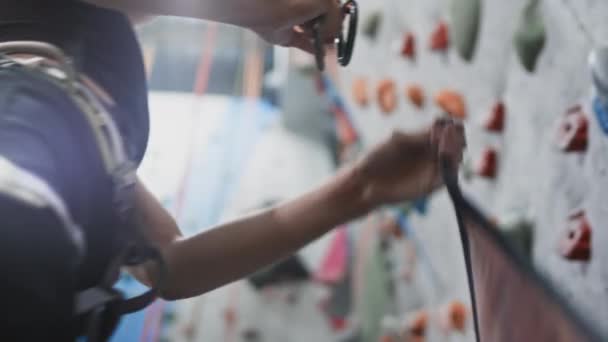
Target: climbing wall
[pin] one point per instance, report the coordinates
(239, 311)
(541, 170)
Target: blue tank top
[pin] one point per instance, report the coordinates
(103, 45)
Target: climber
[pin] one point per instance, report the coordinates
(73, 128)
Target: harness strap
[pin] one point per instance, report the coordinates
(100, 306)
(28, 188)
(43, 50)
(58, 68)
(104, 293)
(103, 305)
(95, 297)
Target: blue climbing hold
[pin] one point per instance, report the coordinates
(601, 113)
(404, 224)
(421, 205)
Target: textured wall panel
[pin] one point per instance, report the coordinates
(534, 177)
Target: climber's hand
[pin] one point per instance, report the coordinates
(293, 27)
(406, 166)
(280, 22)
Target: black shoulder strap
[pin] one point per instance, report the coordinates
(100, 308)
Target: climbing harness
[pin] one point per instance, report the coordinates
(99, 308)
(344, 46)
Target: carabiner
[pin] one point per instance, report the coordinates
(344, 47)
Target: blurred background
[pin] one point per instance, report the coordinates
(238, 125)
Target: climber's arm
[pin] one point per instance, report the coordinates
(276, 21)
(233, 250)
(404, 167)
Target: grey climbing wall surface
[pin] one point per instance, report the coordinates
(535, 179)
(273, 173)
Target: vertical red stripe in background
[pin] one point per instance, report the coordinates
(152, 323)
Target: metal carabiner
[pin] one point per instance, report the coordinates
(344, 47)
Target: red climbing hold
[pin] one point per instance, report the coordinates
(576, 243)
(440, 39)
(409, 46)
(496, 120)
(488, 164)
(338, 323)
(573, 131)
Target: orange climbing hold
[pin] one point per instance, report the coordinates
(488, 164)
(389, 227)
(416, 326)
(415, 94)
(573, 131)
(496, 120)
(409, 46)
(454, 316)
(386, 338)
(230, 316)
(387, 96)
(440, 39)
(452, 103)
(360, 92)
(576, 243)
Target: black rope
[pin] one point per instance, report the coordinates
(450, 179)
